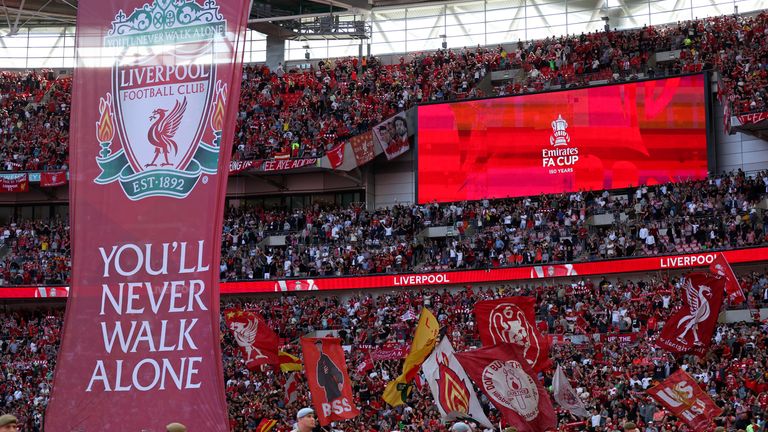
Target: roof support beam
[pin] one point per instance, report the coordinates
(38, 10)
(7, 16)
(15, 28)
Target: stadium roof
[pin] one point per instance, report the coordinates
(47, 13)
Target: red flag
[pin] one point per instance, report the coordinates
(366, 365)
(720, 267)
(581, 324)
(329, 384)
(686, 400)
(503, 374)
(256, 340)
(512, 320)
(690, 329)
(362, 146)
(266, 425)
(53, 178)
(336, 155)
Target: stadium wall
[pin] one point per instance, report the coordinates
(738, 151)
(394, 182)
(320, 181)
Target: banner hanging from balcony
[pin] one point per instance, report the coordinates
(14, 183)
(394, 135)
(362, 146)
(53, 178)
(287, 164)
(153, 111)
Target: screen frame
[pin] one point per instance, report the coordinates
(708, 109)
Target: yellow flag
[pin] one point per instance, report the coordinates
(424, 342)
(288, 362)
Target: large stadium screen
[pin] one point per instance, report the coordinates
(593, 138)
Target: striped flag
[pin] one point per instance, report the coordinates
(289, 362)
(266, 425)
(410, 315)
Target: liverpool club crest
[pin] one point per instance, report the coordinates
(165, 100)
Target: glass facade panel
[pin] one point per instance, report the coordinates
(396, 30)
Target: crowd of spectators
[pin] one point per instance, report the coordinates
(718, 213)
(302, 113)
(734, 46)
(34, 121)
(35, 252)
(29, 342)
(610, 375)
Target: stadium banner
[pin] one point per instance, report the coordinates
(578, 339)
(389, 351)
(362, 146)
(600, 137)
(690, 329)
(328, 380)
(11, 183)
(287, 164)
(53, 178)
(752, 118)
(512, 320)
(257, 342)
(681, 394)
(511, 385)
(153, 117)
(236, 167)
(394, 135)
(464, 277)
(386, 351)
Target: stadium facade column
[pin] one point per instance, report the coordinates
(275, 51)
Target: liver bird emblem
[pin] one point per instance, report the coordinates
(698, 304)
(245, 335)
(162, 131)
